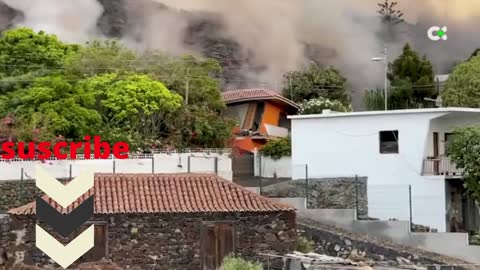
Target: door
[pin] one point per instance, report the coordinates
(99, 250)
(436, 161)
(217, 242)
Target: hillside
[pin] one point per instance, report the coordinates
(205, 34)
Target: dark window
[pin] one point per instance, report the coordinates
(217, 242)
(284, 121)
(448, 136)
(389, 142)
(259, 116)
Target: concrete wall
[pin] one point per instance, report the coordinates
(159, 163)
(350, 146)
(449, 244)
(269, 168)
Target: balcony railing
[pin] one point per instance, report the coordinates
(441, 166)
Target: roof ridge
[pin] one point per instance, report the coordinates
(166, 193)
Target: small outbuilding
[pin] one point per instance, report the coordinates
(165, 221)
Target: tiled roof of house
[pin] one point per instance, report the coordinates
(166, 193)
(242, 95)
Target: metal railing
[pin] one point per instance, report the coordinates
(440, 166)
(205, 151)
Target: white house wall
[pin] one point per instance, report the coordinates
(350, 145)
(162, 163)
(267, 167)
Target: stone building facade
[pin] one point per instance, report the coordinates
(183, 230)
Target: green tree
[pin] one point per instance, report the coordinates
(135, 100)
(464, 150)
(462, 88)
(201, 126)
(56, 103)
(196, 80)
(315, 82)
(475, 53)
(391, 17)
(389, 13)
(99, 57)
(22, 51)
(411, 77)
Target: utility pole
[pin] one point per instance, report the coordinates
(187, 86)
(385, 62)
(290, 87)
(385, 57)
(187, 91)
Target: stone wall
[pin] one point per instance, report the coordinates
(325, 193)
(334, 242)
(134, 241)
(16, 193)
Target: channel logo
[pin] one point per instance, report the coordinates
(436, 33)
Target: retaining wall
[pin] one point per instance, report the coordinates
(449, 244)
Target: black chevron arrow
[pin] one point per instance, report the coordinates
(64, 224)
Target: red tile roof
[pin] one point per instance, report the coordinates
(166, 193)
(242, 95)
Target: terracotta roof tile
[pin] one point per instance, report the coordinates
(166, 193)
(241, 95)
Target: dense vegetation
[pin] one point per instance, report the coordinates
(278, 148)
(464, 150)
(315, 82)
(412, 81)
(237, 263)
(463, 86)
(51, 90)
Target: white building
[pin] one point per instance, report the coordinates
(395, 150)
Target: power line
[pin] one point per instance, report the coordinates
(139, 58)
(106, 68)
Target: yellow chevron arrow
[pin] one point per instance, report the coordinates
(64, 194)
(65, 255)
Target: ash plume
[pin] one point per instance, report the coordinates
(73, 21)
(261, 40)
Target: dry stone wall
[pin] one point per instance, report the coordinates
(325, 193)
(143, 241)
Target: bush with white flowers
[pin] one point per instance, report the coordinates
(317, 105)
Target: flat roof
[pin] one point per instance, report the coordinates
(392, 112)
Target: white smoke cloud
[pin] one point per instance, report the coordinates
(72, 20)
(274, 32)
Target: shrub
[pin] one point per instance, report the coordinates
(304, 245)
(475, 239)
(234, 263)
(317, 105)
(276, 149)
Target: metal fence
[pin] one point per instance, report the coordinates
(370, 201)
(18, 188)
(441, 166)
(151, 154)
